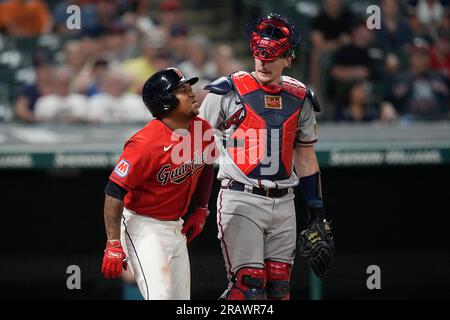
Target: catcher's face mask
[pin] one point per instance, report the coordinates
(271, 37)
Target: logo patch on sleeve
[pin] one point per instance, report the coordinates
(122, 168)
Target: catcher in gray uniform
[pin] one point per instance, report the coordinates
(266, 127)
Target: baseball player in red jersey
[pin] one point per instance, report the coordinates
(161, 168)
(267, 127)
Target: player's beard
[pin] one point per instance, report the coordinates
(195, 109)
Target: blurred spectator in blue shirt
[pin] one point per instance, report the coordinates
(395, 34)
(88, 17)
(106, 14)
(419, 93)
(25, 102)
(87, 81)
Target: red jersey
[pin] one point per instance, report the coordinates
(160, 168)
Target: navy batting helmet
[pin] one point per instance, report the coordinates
(157, 90)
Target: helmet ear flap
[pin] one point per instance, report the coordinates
(161, 103)
(169, 101)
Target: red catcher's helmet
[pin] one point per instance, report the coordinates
(271, 36)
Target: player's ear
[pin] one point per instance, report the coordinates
(288, 62)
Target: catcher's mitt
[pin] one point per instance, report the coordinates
(316, 245)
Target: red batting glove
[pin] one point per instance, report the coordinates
(195, 223)
(114, 259)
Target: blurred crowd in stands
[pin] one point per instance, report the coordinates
(95, 73)
(98, 73)
(399, 71)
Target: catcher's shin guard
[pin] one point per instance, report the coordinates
(248, 284)
(278, 276)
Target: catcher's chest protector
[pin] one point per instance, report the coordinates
(264, 137)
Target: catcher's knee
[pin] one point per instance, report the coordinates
(248, 284)
(278, 277)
